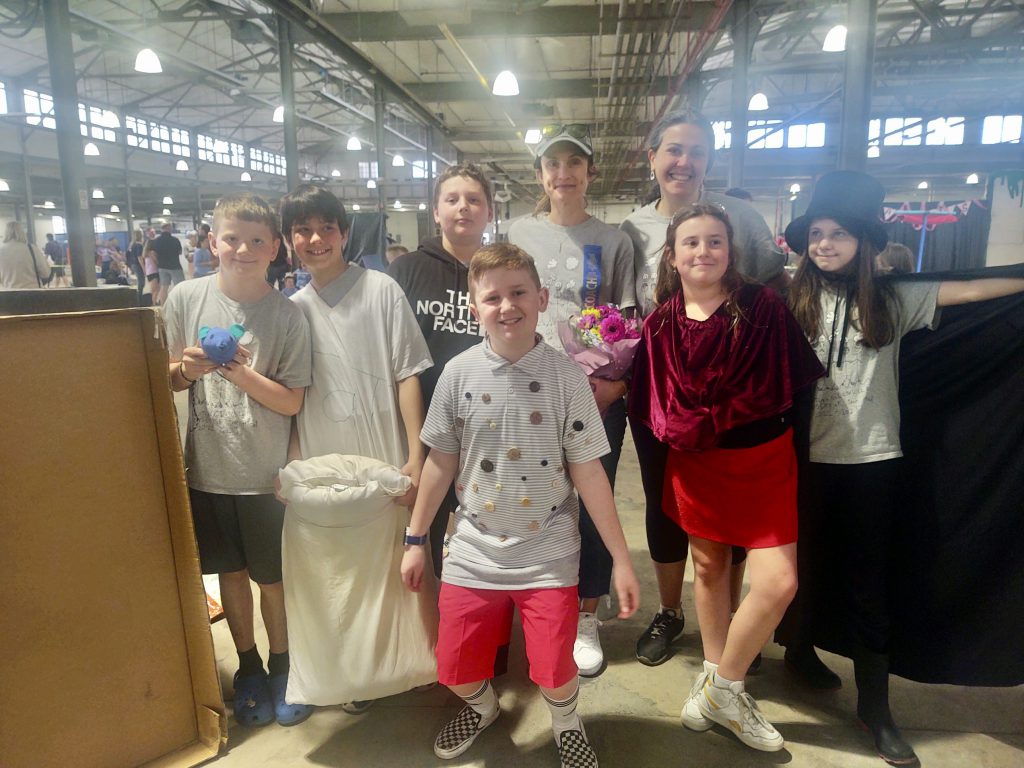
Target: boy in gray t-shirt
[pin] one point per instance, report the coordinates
(238, 427)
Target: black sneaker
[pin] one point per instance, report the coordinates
(574, 751)
(652, 648)
(461, 731)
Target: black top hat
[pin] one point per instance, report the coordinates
(850, 198)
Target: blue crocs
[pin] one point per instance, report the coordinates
(287, 714)
(254, 704)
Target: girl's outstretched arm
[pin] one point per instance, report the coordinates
(965, 291)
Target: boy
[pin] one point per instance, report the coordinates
(434, 277)
(239, 420)
(365, 396)
(515, 422)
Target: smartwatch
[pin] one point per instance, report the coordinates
(414, 541)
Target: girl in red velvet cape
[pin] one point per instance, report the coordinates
(715, 378)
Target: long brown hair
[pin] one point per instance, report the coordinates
(668, 283)
(873, 298)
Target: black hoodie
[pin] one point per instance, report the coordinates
(437, 286)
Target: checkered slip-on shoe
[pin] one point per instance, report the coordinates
(575, 751)
(460, 732)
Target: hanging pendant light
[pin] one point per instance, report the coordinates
(148, 62)
(115, 208)
(279, 114)
(505, 84)
(758, 103)
(97, 194)
(181, 165)
(371, 184)
(354, 145)
(397, 161)
(246, 176)
(90, 150)
(835, 40)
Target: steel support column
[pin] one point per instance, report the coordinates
(16, 103)
(61, 54)
(378, 127)
(291, 142)
(857, 82)
(742, 44)
(430, 173)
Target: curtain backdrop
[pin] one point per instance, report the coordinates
(952, 242)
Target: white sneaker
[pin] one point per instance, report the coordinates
(736, 710)
(586, 651)
(691, 716)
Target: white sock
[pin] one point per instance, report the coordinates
(710, 667)
(722, 683)
(485, 701)
(563, 713)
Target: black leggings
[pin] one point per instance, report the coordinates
(666, 541)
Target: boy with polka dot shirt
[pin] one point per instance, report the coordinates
(514, 424)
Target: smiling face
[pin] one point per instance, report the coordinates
(507, 303)
(462, 211)
(564, 174)
(680, 163)
(700, 253)
(245, 248)
(320, 244)
(831, 246)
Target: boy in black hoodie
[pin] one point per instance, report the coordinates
(435, 280)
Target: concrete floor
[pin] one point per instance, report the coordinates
(632, 711)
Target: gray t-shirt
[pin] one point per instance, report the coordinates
(234, 444)
(572, 281)
(856, 416)
(515, 426)
(759, 257)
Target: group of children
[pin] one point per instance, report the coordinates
(730, 392)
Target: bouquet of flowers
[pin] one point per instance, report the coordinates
(601, 341)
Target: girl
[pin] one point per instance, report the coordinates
(582, 262)
(855, 324)
(682, 151)
(716, 378)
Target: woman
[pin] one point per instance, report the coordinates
(582, 261)
(681, 152)
(21, 265)
(136, 263)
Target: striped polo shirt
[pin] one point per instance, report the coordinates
(516, 427)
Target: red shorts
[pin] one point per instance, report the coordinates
(475, 623)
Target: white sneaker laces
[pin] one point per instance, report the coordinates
(751, 713)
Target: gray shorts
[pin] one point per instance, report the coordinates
(235, 533)
(171, 277)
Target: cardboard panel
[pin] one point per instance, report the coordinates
(108, 653)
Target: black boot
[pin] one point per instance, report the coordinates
(803, 661)
(871, 671)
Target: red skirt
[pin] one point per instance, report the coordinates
(740, 496)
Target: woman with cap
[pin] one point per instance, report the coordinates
(855, 323)
(681, 152)
(582, 262)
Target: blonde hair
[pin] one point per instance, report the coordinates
(500, 256)
(245, 207)
(14, 232)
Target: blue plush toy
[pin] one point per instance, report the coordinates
(220, 344)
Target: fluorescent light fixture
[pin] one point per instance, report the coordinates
(355, 206)
(97, 194)
(246, 176)
(923, 185)
(505, 84)
(115, 208)
(398, 205)
(758, 103)
(4, 186)
(371, 184)
(397, 161)
(533, 136)
(148, 62)
(354, 144)
(972, 179)
(167, 212)
(423, 206)
(873, 151)
(91, 150)
(335, 173)
(794, 189)
(181, 165)
(168, 200)
(279, 114)
(48, 204)
(835, 40)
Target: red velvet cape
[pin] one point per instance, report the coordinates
(694, 380)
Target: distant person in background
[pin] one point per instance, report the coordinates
(21, 265)
(55, 253)
(278, 267)
(302, 277)
(168, 259)
(739, 194)
(152, 270)
(896, 259)
(392, 252)
(289, 289)
(203, 260)
(135, 250)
